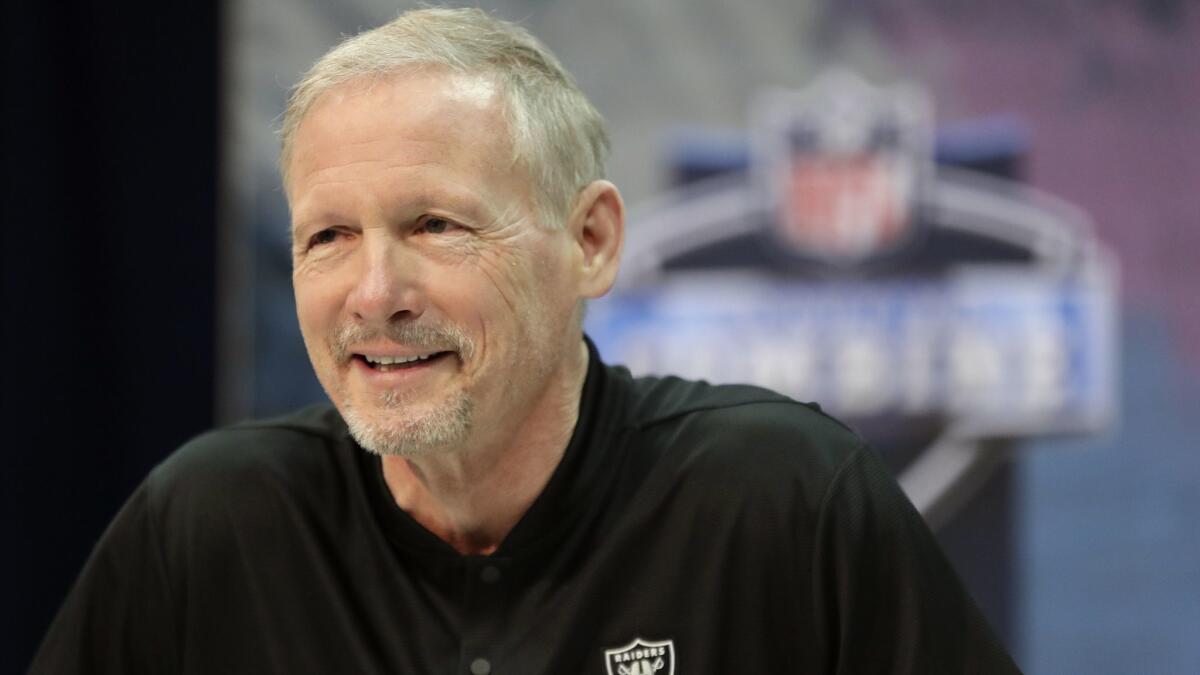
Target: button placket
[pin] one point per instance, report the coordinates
(485, 629)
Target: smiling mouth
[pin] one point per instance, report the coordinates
(386, 364)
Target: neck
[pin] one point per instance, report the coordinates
(473, 497)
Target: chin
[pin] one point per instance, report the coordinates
(393, 430)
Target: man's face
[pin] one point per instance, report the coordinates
(435, 310)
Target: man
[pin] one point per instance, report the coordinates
(485, 495)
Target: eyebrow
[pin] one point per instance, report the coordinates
(473, 209)
(471, 205)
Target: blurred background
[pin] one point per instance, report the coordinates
(147, 282)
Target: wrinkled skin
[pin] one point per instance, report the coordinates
(413, 232)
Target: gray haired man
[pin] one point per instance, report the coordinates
(485, 495)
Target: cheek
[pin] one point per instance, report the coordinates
(501, 285)
(316, 309)
(552, 280)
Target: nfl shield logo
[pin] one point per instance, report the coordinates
(845, 206)
(641, 657)
(841, 163)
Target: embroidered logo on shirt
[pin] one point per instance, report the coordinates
(641, 657)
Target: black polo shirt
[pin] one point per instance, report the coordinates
(689, 529)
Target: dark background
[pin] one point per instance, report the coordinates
(110, 142)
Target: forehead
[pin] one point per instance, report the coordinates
(429, 118)
(410, 94)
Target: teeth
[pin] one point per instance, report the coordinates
(394, 360)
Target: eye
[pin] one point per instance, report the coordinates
(435, 225)
(326, 236)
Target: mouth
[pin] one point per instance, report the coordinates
(387, 364)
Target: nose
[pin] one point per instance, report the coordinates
(389, 283)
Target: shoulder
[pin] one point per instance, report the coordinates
(738, 419)
(739, 438)
(248, 463)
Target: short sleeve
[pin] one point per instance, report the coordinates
(117, 617)
(888, 600)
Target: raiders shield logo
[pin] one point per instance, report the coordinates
(641, 657)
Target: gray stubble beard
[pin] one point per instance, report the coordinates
(440, 430)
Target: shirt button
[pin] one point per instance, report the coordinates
(481, 667)
(490, 574)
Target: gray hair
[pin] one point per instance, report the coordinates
(558, 138)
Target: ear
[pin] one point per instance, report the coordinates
(597, 224)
